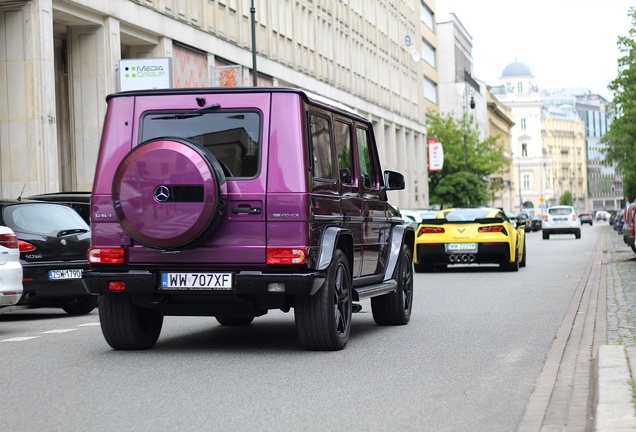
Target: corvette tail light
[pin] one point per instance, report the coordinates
(286, 256)
(432, 230)
(9, 241)
(493, 229)
(25, 246)
(107, 255)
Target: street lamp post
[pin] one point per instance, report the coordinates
(472, 106)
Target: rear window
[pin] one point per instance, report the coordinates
(43, 219)
(466, 215)
(233, 136)
(560, 211)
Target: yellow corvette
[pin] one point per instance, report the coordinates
(481, 235)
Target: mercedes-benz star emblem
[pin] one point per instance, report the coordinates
(162, 193)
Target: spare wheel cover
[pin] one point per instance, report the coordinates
(168, 192)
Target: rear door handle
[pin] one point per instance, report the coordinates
(246, 210)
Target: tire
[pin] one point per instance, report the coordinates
(234, 320)
(546, 235)
(80, 305)
(511, 266)
(395, 308)
(127, 326)
(577, 234)
(422, 267)
(191, 188)
(523, 256)
(323, 320)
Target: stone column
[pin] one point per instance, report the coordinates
(28, 139)
(94, 53)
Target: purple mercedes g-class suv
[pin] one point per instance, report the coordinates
(229, 202)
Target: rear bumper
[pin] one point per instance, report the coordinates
(245, 283)
(38, 286)
(487, 253)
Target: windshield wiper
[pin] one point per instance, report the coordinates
(71, 231)
(196, 113)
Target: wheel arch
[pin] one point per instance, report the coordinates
(400, 234)
(333, 238)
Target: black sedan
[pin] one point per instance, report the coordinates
(586, 218)
(53, 241)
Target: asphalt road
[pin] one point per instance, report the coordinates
(468, 360)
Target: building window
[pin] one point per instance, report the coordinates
(430, 90)
(523, 124)
(428, 53)
(520, 87)
(527, 183)
(427, 17)
(524, 150)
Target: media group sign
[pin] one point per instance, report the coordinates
(145, 73)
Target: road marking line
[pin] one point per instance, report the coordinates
(20, 339)
(59, 331)
(89, 324)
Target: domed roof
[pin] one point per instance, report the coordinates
(516, 69)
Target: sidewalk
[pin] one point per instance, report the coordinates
(615, 372)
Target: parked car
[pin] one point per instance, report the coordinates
(53, 240)
(78, 201)
(561, 219)
(536, 223)
(629, 226)
(470, 236)
(230, 202)
(10, 268)
(586, 218)
(618, 223)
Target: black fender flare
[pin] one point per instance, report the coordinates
(400, 234)
(328, 242)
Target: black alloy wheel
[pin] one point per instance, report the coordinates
(395, 308)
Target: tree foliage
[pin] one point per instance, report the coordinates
(454, 186)
(566, 198)
(621, 136)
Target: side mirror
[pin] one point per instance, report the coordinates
(393, 180)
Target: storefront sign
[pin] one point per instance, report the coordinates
(145, 73)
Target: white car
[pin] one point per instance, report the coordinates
(10, 268)
(561, 219)
(415, 216)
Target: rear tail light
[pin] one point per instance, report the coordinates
(286, 256)
(493, 229)
(431, 230)
(9, 241)
(573, 217)
(106, 256)
(545, 218)
(25, 246)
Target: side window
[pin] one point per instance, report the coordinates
(342, 132)
(320, 136)
(364, 159)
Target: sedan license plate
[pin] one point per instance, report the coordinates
(196, 281)
(461, 247)
(65, 274)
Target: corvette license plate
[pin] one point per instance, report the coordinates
(65, 274)
(461, 247)
(196, 281)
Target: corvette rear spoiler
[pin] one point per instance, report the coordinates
(482, 221)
